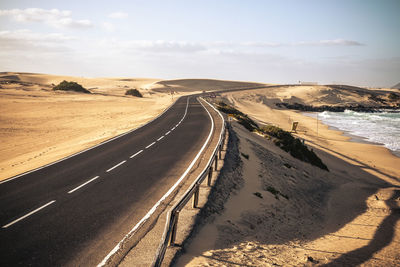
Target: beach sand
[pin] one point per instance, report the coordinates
(345, 217)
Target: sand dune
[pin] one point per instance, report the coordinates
(345, 217)
(113, 86)
(189, 85)
(39, 125)
(334, 95)
(260, 104)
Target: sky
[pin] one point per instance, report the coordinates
(353, 42)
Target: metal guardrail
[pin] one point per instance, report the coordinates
(171, 226)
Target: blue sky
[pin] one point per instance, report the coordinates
(350, 41)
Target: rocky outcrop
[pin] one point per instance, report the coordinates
(358, 108)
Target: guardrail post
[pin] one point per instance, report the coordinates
(216, 162)
(224, 135)
(210, 171)
(172, 237)
(195, 199)
(220, 151)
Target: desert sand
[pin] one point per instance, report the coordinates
(345, 217)
(40, 126)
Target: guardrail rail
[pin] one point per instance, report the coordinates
(171, 226)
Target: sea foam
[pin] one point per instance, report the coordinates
(381, 127)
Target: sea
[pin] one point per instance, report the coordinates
(378, 127)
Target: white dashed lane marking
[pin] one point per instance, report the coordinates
(96, 177)
(82, 185)
(119, 164)
(29, 214)
(137, 153)
(150, 145)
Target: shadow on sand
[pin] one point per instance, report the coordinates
(370, 184)
(382, 237)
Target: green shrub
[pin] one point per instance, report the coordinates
(276, 193)
(258, 194)
(71, 86)
(394, 97)
(283, 139)
(272, 190)
(133, 92)
(294, 146)
(242, 118)
(245, 155)
(287, 165)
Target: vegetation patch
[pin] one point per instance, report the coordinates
(376, 98)
(258, 194)
(276, 193)
(242, 118)
(380, 104)
(71, 86)
(244, 155)
(287, 165)
(293, 146)
(133, 92)
(393, 96)
(285, 140)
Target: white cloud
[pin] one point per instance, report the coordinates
(118, 15)
(27, 35)
(35, 14)
(159, 46)
(53, 17)
(70, 23)
(108, 26)
(217, 48)
(262, 44)
(335, 42)
(25, 41)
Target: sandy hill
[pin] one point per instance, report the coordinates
(116, 86)
(189, 85)
(284, 212)
(40, 125)
(317, 95)
(397, 86)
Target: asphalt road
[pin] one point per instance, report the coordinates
(75, 211)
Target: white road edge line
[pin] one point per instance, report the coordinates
(167, 133)
(150, 145)
(119, 164)
(160, 138)
(76, 188)
(29, 214)
(137, 153)
(153, 209)
(80, 152)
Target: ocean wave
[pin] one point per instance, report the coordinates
(382, 127)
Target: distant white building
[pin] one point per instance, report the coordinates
(308, 83)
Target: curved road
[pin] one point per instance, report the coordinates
(75, 211)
